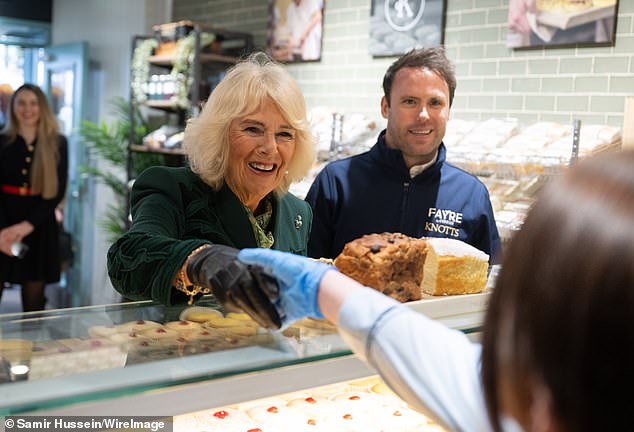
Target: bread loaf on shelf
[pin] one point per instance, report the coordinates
(391, 263)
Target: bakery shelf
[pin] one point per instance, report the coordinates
(461, 312)
(168, 60)
(162, 104)
(161, 150)
(568, 20)
(98, 382)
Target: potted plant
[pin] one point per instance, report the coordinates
(109, 142)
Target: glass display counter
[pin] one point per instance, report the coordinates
(140, 359)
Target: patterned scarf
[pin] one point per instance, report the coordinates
(260, 223)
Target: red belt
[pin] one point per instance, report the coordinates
(15, 190)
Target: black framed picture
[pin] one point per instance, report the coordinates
(557, 23)
(295, 30)
(397, 26)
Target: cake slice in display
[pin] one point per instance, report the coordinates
(453, 267)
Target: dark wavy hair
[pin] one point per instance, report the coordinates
(560, 315)
(433, 59)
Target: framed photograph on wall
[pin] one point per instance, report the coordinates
(557, 23)
(295, 30)
(397, 26)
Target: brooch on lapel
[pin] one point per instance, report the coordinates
(298, 222)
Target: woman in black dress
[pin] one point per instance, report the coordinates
(33, 176)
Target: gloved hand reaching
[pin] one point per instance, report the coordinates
(237, 286)
(298, 278)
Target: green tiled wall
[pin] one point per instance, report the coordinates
(556, 84)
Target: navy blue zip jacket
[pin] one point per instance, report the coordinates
(372, 193)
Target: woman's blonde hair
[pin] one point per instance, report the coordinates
(244, 89)
(44, 179)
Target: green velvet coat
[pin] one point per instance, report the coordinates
(174, 212)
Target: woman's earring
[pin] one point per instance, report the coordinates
(285, 173)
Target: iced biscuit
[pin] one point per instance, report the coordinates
(102, 331)
(199, 314)
(138, 326)
(183, 326)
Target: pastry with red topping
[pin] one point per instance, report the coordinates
(183, 326)
(278, 416)
(138, 326)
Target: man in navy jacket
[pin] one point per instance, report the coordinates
(404, 184)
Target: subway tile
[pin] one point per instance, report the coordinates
(548, 66)
(497, 16)
(591, 84)
(572, 103)
(623, 44)
(471, 51)
(473, 18)
(486, 35)
(509, 102)
(607, 103)
(513, 67)
(481, 102)
(496, 85)
(458, 6)
(614, 64)
(487, 4)
(526, 117)
(614, 120)
(557, 85)
(526, 85)
(565, 118)
(496, 50)
(590, 119)
(575, 65)
(488, 68)
(469, 84)
(539, 103)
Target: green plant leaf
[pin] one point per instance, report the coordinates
(109, 142)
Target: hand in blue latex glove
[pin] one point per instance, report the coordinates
(298, 278)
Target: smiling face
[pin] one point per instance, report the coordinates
(261, 146)
(27, 109)
(417, 114)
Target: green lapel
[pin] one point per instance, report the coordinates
(235, 219)
(292, 224)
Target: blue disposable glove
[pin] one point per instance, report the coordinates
(298, 278)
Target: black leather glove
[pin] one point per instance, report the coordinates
(238, 286)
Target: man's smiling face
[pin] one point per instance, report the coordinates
(417, 114)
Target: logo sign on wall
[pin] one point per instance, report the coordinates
(397, 26)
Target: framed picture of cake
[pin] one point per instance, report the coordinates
(397, 26)
(295, 30)
(557, 23)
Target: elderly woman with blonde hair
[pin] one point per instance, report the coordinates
(249, 143)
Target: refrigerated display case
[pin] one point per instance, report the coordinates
(62, 362)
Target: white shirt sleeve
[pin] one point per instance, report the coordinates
(433, 368)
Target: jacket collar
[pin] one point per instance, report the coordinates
(235, 219)
(393, 158)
